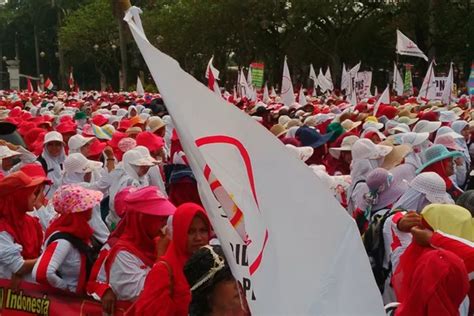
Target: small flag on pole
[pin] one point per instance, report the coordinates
(48, 84)
(406, 46)
(29, 85)
(71, 80)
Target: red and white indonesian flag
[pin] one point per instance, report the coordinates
(212, 75)
(48, 84)
(406, 46)
(29, 85)
(293, 248)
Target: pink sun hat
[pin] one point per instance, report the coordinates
(119, 201)
(149, 200)
(72, 198)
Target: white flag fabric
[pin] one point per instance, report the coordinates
(244, 87)
(312, 76)
(273, 94)
(302, 97)
(384, 99)
(266, 96)
(406, 46)
(287, 93)
(322, 81)
(448, 87)
(329, 79)
(249, 78)
(140, 90)
(429, 84)
(307, 263)
(354, 70)
(353, 97)
(397, 80)
(345, 79)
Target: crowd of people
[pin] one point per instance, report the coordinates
(97, 197)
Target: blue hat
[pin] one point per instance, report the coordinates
(310, 137)
(436, 153)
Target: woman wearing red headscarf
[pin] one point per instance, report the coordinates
(66, 262)
(166, 290)
(439, 160)
(133, 255)
(21, 235)
(435, 283)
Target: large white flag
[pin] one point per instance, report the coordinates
(287, 93)
(397, 80)
(448, 87)
(266, 96)
(294, 249)
(329, 79)
(406, 46)
(302, 97)
(312, 76)
(322, 81)
(429, 84)
(244, 87)
(140, 90)
(345, 79)
(384, 99)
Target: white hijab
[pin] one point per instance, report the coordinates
(54, 165)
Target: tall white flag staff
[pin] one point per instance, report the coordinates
(406, 46)
(295, 250)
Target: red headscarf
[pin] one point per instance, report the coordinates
(24, 229)
(134, 239)
(430, 282)
(156, 298)
(438, 167)
(76, 224)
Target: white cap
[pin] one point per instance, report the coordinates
(448, 116)
(138, 158)
(404, 128)
(433, 186)
(424, 126)
(53, 137)
(6, 152)
(78, 163)
(346, 145)
(365, 149)
(77, 141)
(303, 153)
(414, 139)
(375, 125)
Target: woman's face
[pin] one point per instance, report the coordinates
(85, 149)
(142, 170)
(7, 163)
(225, 299)
(198, 234)
(54, 148)
(87, 177)
(346, 156)
(34, 197)
(466, 133)
(448, 165)
(153, 225)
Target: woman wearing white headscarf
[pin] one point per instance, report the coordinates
(52, 159)
(131, 171)
(366, 156)
(78, 170)
(462, 128)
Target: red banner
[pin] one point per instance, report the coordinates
(34, 299)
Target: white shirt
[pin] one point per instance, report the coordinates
(61, 263)
(127, 276)
(11, 259)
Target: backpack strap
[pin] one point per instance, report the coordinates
(81, 246)
(44, 164)
(170, 275)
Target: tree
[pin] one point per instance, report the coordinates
(89, 38)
